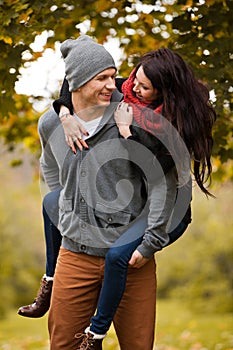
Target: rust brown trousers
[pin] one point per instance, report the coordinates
(77, 283)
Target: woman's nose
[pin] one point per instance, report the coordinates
(136, 87)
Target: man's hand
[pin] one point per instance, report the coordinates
(137, 260)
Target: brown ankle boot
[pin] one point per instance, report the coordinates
(41, 304)
(88, 342)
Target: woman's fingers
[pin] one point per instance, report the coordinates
(70, 143)
(72, 140)
(74, 130)
(80, 143)
(83, 142)
(124, 106)
(123, 114)
(83, 130)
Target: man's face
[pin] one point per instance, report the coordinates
(98, 91)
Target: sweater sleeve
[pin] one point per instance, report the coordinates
(119, 82)
(160, 152)
(48, 163)
(64, 99)
(161, 197)
(161, 176)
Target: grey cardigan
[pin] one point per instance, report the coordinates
(103, 192)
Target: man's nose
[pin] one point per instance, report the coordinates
(111, 84)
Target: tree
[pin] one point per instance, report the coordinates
(201, 31)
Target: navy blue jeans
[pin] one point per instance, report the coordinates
(116, 262)
(52, 234)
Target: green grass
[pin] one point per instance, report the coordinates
(177, 329)
(21, 333)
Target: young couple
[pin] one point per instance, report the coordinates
(105, 239)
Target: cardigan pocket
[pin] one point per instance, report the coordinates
(66, 204)
(111, 217)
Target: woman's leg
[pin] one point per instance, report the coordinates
(177, 232)
(52, 242)
(115, 274)
(41, 303)
(134, 320)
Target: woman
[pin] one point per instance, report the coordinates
(161, 83)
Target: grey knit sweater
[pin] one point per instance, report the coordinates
(103, 191)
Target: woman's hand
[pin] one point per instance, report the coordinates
(137, 260)
(73, 130)
(124, 117)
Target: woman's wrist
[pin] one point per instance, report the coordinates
(65, 116)
(124, 131)
(64, 112)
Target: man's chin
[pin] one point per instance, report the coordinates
(104, 103)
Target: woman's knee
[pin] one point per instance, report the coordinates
(51, 198)
(115, 257)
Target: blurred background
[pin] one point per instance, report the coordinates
(195, 274)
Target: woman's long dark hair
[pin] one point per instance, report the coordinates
(186, 105)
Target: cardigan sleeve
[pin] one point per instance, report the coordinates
(161, 177)
(48, 163)
(156, 148)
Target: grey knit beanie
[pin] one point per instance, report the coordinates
(84, 59)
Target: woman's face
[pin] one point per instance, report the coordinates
(143, 87)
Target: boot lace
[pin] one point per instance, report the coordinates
(87, 341)
(42, 291)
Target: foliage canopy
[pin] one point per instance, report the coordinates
(201, 31)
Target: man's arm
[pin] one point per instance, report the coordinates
(48, 163)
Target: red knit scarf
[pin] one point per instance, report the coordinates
(146, 118)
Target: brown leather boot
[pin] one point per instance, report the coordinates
(41, 303)
(88, 342)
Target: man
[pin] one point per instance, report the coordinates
(103, 192)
